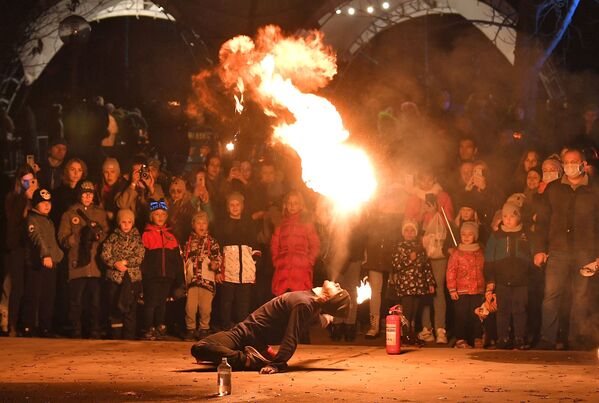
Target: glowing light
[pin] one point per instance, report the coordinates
(281, 73)
(385, 5)
(230, 146)
(364, 291)
(239, 100)
(370, 9)
(338, 11)
(174, 104)
(351, 11)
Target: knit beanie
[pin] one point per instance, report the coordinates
(158, 205)
(409, 223)
(510, 209)
(470, 226)
(555, 164)
(40, 195)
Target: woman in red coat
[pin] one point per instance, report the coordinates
(294, 247)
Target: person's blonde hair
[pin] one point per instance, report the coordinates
(200, 215)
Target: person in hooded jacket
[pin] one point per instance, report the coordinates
(82, 229)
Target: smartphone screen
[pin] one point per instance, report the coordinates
(30, 160)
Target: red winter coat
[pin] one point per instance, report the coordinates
(294, 247)
(465, 272)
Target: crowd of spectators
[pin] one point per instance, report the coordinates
(480, 228)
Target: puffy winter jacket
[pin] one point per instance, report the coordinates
(507, 258)
(238, 240)
(465, 272)
(163, 257)
(123, 246)
(294, 247)
(42, 240)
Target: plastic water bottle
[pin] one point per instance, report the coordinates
(224, 378)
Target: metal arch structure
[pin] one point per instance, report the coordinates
(496, 19)
(42, 40)
(348, 33)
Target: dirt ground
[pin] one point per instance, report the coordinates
(61, 370)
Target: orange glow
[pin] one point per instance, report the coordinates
(281, 73)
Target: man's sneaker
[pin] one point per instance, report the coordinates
(254, 359)
(202, 333)
(189, 335)
(462, 344)
(161, 332)
(441, 336)
(150, 334)
(520, 344)
(426, 335)
(504, 344)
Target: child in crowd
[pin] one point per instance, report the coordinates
(180, 209)
(294, 248)
(161, 268)
(123, 253)
(83, 227)
(466, 285)
(238, 238)
(507, 261)
(412, 276)
(202, 259)
(42, 254)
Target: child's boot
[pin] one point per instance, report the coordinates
(441, 336)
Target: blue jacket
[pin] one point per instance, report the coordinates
(507, 258)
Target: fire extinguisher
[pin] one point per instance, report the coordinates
(393, 330)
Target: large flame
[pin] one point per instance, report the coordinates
(281, 73)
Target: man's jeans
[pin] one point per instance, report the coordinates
(562, 272)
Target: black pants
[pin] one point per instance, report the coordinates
(511, 304)
(15, 268)
(227, 344)
(536, 285)
(234, 303)
(82, 290)
(40, 291)
(467, 324)
(410, 305)
(155, 294)
(122, 312)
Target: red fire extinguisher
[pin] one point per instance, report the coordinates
(393, 330)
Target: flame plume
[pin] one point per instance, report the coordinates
(281, 73)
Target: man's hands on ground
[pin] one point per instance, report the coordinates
(269, 369)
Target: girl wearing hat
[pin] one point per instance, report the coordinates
(412, 276)
(466, 285)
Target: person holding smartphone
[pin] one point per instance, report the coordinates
(429, 205)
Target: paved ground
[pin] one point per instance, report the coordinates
(83, 370)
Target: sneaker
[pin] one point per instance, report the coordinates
(256, 360)
(189, 335)
(426, 335)
(504, 344)
(478, 342)
(520, 344)
(441, 336)
(161, 332)
(462, 344)
(150, 334)
(202, 333)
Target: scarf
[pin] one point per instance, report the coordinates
(469, 248)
